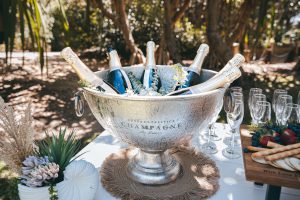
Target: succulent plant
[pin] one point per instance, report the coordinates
(60, 149)
(40, 175)
(31, 162)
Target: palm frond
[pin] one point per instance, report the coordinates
(27, 12)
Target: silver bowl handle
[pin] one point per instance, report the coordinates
(79, 103)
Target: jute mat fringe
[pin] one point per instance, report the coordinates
(198, 179)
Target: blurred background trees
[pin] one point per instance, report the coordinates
(266, 29)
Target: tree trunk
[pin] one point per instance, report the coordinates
(162, 55)
(120, 19)
(244, 14)
(218, 46)
(168, 44)
(87, 15)
(137, 55)
(168, 33)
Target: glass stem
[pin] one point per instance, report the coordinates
(253, 121)
(212, 128)
(231, 148)
(209, 133)
(277, 120)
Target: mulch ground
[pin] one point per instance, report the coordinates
(51, 95)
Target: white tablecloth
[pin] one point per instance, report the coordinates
(233, 185)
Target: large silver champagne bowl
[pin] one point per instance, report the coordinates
(154, 124)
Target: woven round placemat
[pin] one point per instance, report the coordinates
(198, 178)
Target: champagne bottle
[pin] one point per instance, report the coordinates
(193, 77)
(225, 76)
(150, 76)
(117, 77)
(84, 73)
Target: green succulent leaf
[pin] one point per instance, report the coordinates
(60, 148)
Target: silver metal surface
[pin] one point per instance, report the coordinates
(154, 124)
(79, 103)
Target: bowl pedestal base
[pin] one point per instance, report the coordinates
(153, 167)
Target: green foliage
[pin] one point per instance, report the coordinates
(145, 18)
(99, 33)
(53, 193)
(30, 13)
(8, 183)
(60, 149)
(82, 84)
(89, 29)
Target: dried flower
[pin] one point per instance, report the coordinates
(16, 136)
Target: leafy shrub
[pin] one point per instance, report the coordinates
(145, 18)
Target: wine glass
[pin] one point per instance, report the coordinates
(263, 112)
(298, 102)
(276, 95)
(210, 147)
(231, 91)
(211, 127)
(290, 114)
(282, 101)
(236, 89)
(255, 99)
(235, 96)
(214, 135)
(298, 113)
(252, 92)
(227, 101)
(234, 119)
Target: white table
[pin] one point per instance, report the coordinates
(233, 185)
